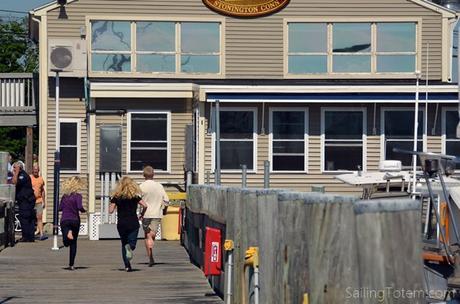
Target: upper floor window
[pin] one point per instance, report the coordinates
(347, 47)
(164, 47)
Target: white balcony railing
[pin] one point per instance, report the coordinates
(17, 93)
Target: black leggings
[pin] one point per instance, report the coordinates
(74, 226)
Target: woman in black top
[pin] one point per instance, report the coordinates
(126, 199)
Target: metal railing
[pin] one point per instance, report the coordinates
(17, 92)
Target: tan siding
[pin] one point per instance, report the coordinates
(181, 115)
(434, 144)
(75, 109)
(245, 38)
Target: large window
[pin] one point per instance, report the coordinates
(70, 145)
(343, 136)
(451, 144)
(351, 47)
(288, 139)
(237, 138)
(149, 140)
(163, 47)
(398, 132)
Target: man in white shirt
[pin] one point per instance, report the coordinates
(154, 195)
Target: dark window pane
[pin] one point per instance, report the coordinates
(453, 148)
(396, 37)
(111, 35)
(395, 63)
(157, 36)
(351, 37)
(236, 124)
(148, 145)
(308, 37)
(69, 158)
(234, 154)
(451, 124)
(400, 124)
(288, 146)
(200, 64)
(288, 163)
(156, 63)
(406, 159)
(343, 124)
(339, 158)
(149, 126)
(288, 125)
(68, 134)
(200, 37)
(351, 63)
(111, 62)
(301, 64)
(156, 158)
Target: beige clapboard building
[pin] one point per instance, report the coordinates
(317, 88)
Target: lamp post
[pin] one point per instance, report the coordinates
(57, 166)
(414, 157)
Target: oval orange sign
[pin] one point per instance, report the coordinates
(246, 8)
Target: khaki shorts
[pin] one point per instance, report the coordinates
(151, 224)
(39, 208)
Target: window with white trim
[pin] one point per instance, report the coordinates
(398, 132)
(451, 142)
(148, 140)
(237, 138)
(343, 139)
(69, 145)
(288, 133)
(351, 47)
(166, 47)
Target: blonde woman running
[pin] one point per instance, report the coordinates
(71, 205)
(125, 199)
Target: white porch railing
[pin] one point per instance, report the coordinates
(17, 93)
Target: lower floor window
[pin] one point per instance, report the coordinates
(398, 132)
(343, 133)
(148, 141)
(69, 144)
(288, 131)
(452, 143)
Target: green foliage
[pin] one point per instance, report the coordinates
(17, 53)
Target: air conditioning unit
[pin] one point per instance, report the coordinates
(68, 55)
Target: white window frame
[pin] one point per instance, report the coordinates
(323, 136)
(444, 139)
(270, 141)
(133, 52)
(78, 122)
(168, 136)
(254, 138)
(383, 110)
(373, 71)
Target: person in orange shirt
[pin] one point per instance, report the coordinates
(38, 184)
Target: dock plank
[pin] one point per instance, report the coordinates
(32, 273)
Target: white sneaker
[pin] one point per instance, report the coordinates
(129, 252)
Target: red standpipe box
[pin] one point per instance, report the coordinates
(212, 252)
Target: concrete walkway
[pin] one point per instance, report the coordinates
(32, 273)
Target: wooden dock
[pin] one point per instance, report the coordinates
(32, 273)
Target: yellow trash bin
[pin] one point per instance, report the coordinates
(170, 224)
